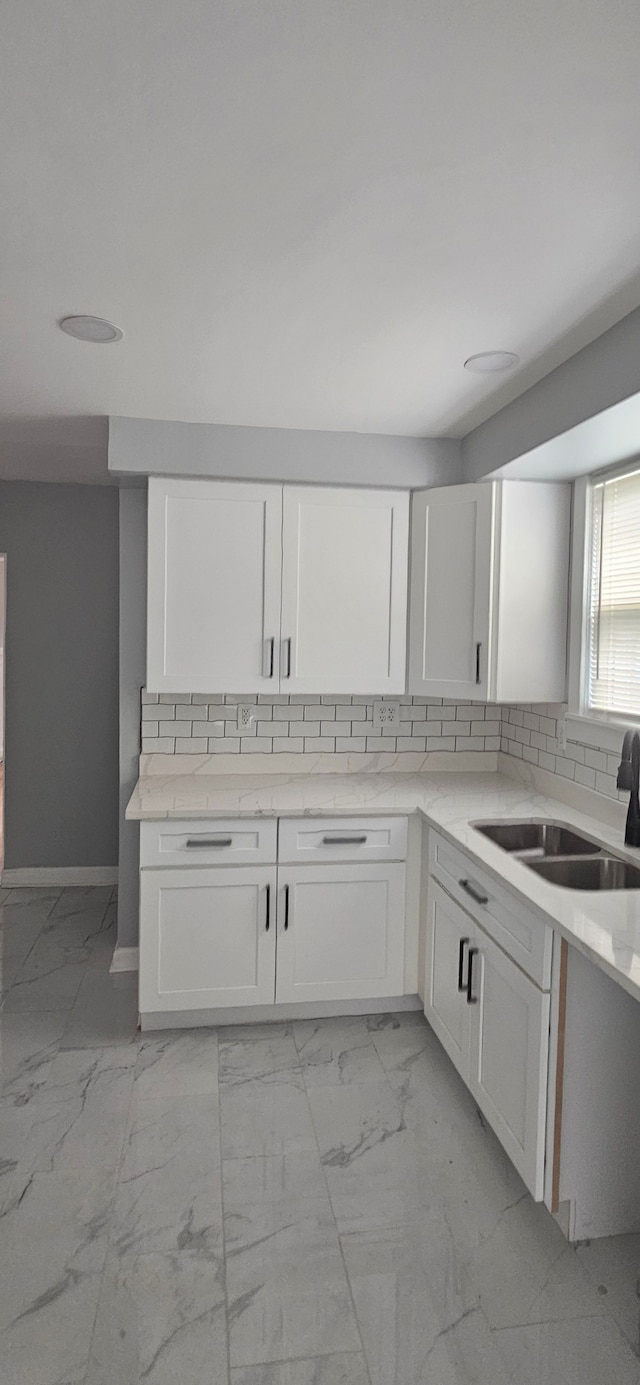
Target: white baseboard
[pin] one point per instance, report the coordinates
(124, 959)
(59, 875)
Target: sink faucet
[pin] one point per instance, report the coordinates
(629, 778)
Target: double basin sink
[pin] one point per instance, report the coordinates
(563, 856)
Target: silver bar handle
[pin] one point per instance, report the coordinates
(344, 841)
(268, 657)
(478, 649)
(202, 842)
(286, 646)
(474, 891)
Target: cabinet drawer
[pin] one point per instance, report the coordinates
(236, 841)
(342, 839)
(523, 936)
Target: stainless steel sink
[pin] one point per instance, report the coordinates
(589, 873)
(537, 840)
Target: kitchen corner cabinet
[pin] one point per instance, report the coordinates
(489, 590)
(265, 588)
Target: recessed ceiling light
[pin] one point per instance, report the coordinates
(94, 329)
(489, 362)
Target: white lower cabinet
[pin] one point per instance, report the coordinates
(207, 938)
(508, 1057)
(263, 933)
(449, 933)
(494, 1023)
(340, 932)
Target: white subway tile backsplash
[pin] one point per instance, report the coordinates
(162, 745)
(305, 728)
(150, 711)
(171, 728)
(178, 723)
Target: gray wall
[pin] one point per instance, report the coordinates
(133, 626)
(151, 446)
(61, 767)
(600, 375)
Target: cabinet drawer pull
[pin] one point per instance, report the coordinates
(474, 891)
(344, 841)
(478, 648)
(286, 908)
(462, 984)
(471, 998)
(267, 919)
(203, 842)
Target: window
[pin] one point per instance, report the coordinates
(612, 656)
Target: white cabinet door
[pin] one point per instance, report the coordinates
(451, 574)
(449, 935)
(207, 938)
(509, 1056)
(213, 601)
(344, 590)
(340, 932)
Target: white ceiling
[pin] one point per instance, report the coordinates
(306, 213)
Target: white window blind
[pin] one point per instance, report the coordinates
(613, 673)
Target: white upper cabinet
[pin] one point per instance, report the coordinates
(263, 588)
(489, 586)
(344, 590)
(213, 598)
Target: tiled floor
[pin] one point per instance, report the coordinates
(306, 1204)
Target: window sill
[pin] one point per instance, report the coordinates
(602, 735)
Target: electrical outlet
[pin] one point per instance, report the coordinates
(562, 734)
(386, 716)
(246, 715)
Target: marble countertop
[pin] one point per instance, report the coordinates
(605, 927)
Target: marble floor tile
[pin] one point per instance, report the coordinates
(28, 1046)
(19, 931)
(613, 1266)
(47, 980)
(417, 1324)
(250, 1060)
(102, 948)
(523, 1270)
(53, 1243)
(177, 1063)
(336, 1052)
(81, 902)
(15, 1125)
(585, 1351)
(375, 1172)
(161, 1320)
(287, 1289)
(399, 1038)
(265, 1117)
(169, 1194)
(105, 1011)
(273, 1178)
(349, 1368)
(80, 1115)
(9, 968)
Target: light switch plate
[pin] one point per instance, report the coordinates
(386, 716)
(246, 715)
